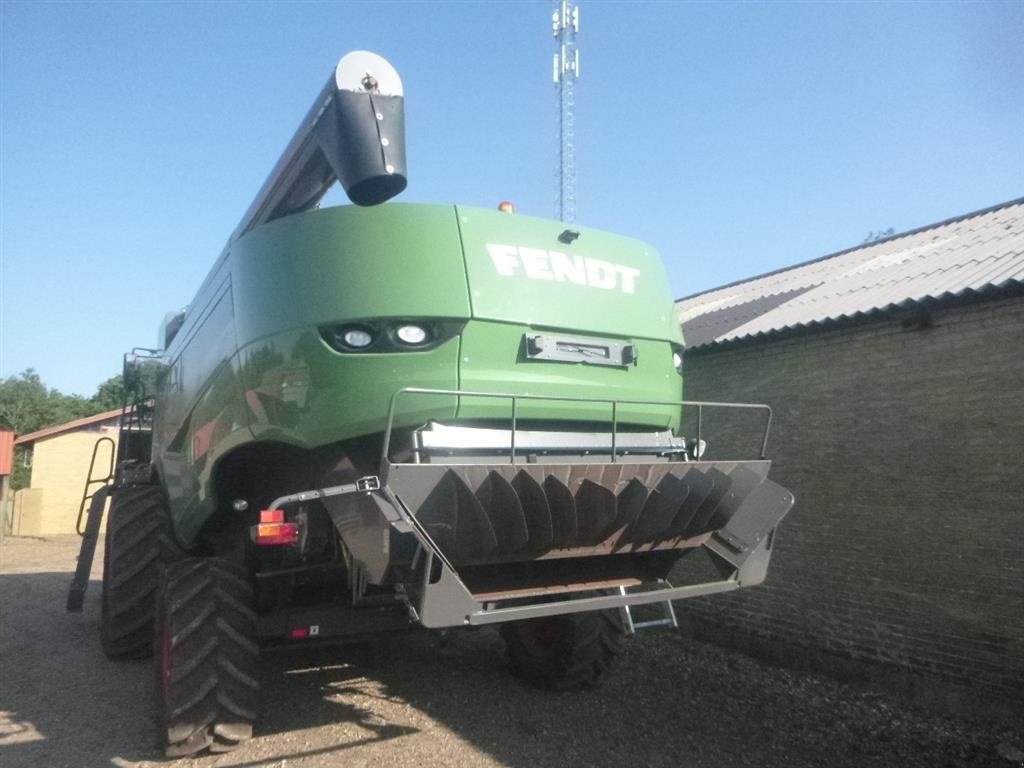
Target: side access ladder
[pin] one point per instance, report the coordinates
(96, 499)
(128, 464)
(668, 619)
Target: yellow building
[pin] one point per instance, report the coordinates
(60, 458)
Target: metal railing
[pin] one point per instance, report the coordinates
(137, 404)
(614, 403)
(103, 482)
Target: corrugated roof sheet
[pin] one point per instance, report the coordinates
(975, 252)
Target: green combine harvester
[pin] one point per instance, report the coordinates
(383, 416)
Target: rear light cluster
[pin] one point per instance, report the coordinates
(273, 530)
(389, 335)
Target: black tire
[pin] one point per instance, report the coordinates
(139, 545)
(207, 659)
(567, 652)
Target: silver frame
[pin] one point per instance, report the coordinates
(613, 449)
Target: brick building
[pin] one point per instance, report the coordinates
(896, 373)
(60, 458)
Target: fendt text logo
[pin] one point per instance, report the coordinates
(538, 264)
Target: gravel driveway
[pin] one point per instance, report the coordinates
(423, 700)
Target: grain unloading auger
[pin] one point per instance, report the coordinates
(378, 417)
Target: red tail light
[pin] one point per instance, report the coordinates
(272, 529)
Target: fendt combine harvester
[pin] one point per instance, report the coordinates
(375, 417)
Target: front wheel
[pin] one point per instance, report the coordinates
(207, 659)
(566, 652)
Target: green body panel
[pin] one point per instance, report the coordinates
(218, 425)
(492, 361)
(302, 392)
(567, 286)
(250, 363)
(348, 263)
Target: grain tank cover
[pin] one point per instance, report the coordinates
(354, 133)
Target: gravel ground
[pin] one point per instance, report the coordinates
(423, 700)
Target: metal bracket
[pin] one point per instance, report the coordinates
(366, 484)
(369, 483)
(577, 349)
(733, 542)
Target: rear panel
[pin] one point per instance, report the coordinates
(495, 359)
(544, 274)
(530, 277)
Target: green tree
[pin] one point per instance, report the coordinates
(109, 395)
(26, 405)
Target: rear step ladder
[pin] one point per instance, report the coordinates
(129, 464)
(76, 595)
(95, 500)
(669, 619)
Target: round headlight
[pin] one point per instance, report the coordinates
(677, 360)
(411, 334)
(357, 338)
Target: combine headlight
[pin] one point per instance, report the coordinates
(381, 336)
(677, 361)
(357, 338)
(413, 335)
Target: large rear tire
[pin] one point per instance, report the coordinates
(139, 545)
(207, 659)
(566, 652)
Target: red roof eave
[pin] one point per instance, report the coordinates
(31, 437)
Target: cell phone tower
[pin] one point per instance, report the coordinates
(565, 24)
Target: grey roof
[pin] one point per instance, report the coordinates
(972, 253)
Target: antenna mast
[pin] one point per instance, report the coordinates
(565, 23)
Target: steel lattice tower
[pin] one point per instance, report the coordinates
(565, 24)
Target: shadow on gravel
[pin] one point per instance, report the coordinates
(415, 699)
(63, 703)
(669, 703)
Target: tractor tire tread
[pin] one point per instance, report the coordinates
(208, 699)
(139, 545)
(583, 650)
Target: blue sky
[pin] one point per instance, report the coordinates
(737, 138)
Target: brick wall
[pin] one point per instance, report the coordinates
(904, 446)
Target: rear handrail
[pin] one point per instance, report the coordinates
(613, 402)
(90, 480)
(136, 403)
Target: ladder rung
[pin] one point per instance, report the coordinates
(653, 623)
(633, 626)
